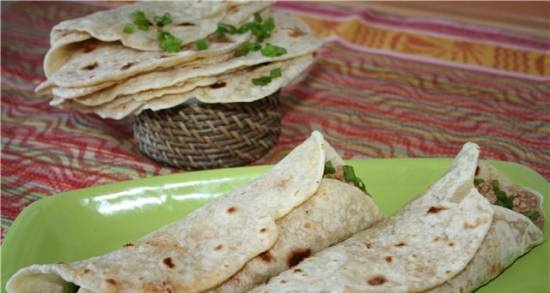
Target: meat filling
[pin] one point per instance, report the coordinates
(521, 201)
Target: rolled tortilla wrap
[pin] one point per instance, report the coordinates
(215, 242)
(429, 241)
(511, 235)
(332, 215)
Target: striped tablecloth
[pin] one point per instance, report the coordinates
(382, 87)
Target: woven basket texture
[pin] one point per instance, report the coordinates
(196, 136)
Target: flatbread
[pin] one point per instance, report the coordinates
(290, 33)
(511, 235)
(333, 214)
(427, 242)
(201, 250)
(226, 88)
(94, 62)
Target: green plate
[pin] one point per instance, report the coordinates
(83, 223)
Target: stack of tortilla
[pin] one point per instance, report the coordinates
(123, 61)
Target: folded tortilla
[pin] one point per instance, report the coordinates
(231, 244)
(451, 239)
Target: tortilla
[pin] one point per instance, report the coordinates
(511, 235)
(292, 34)
(209, 245)
(191, 20)
(333, 214)
(93, 62)
(237, 87)
(426, 243)
(226, 88)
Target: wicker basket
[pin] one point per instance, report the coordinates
(196, 135)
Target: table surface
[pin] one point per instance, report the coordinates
(383, 86)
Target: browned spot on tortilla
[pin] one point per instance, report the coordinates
(127, 65)
(219, 247)
(282, 184)
(477, 171)
(168, 262)
(435, 210)
(266, 256)
(377, 280)
(283, 281)
(388, 259)
(90, 47)
(307, 225)
(221, 39)
(368, 245)
(436, 238)
(128, 245)
(263, 230)
(495, 269)
(400, 244)
(164, 56)
(233, 9)
(447, 272)
(185, 24)
(297, 256)
(90, 66)
(218, 84)
(461, 290)
(298, 270)
(414, 255)
(231, 210)
(85, 271)
(478, 222)
(451, 244)
(111, 282)
(295, 32)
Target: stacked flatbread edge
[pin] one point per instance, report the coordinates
(107, 64)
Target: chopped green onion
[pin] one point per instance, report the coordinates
(245, 27)
(70, 288)
(163, 20)
(257, 17)
(269, 24)
(128, 28)
(246, 48)
(495, 184)
(533, 215)
(202, 44)
(329, 168)
(359, 184)
(168, 42)
(478, 181)
(271, 50)
(261, 81)
(349, 173)
(224, 28)
(140, 20)
(276, 73)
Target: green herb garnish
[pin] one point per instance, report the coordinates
(168, 42)
(140, 20)
(349, 173)
(265, 80)
(202, 44)
(276, 73)
(271, 50)
(224, 28)
(329, 168)
(532, 215)
(359, 184)
(503, 199)
(163, 20)
(257, 17)
(478, 181)
(261, 81)
(70, 288)
(128, 28)
(246, 48)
